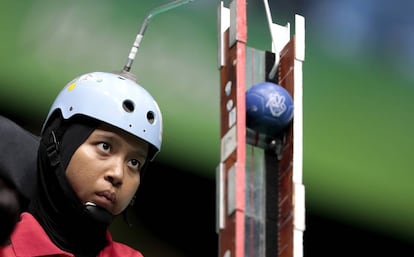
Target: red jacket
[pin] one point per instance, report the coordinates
(30, 240)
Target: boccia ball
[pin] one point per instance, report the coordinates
(269, 108)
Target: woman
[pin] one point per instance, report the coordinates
(100, 134)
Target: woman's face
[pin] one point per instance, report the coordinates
(105, 169)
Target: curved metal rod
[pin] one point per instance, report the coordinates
(138, 39)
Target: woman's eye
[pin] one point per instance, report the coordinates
(104, 147)
(135, 164)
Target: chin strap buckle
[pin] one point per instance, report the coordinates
(98, 213)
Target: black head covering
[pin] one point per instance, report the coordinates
(56, 206)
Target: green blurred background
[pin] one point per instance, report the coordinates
(358, 89)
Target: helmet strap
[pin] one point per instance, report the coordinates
(52, 148)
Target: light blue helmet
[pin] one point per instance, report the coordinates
(115, 100)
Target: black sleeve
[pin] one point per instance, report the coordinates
(18, 157)
(9, 211)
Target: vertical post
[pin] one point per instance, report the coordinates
(232, 51)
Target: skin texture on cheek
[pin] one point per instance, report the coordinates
(81, 176)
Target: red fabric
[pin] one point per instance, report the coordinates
(30, 240)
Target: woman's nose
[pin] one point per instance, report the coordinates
(115, 174)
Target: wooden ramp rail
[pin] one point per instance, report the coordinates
(260, 194)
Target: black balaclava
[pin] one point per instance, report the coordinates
(65, 219)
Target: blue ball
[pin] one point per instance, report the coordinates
(269, 108)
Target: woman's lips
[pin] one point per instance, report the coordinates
(105, 199)
(108, 195)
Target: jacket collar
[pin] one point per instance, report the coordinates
(29, 239)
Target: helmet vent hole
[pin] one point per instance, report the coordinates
(150, 117)
(128, 106)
